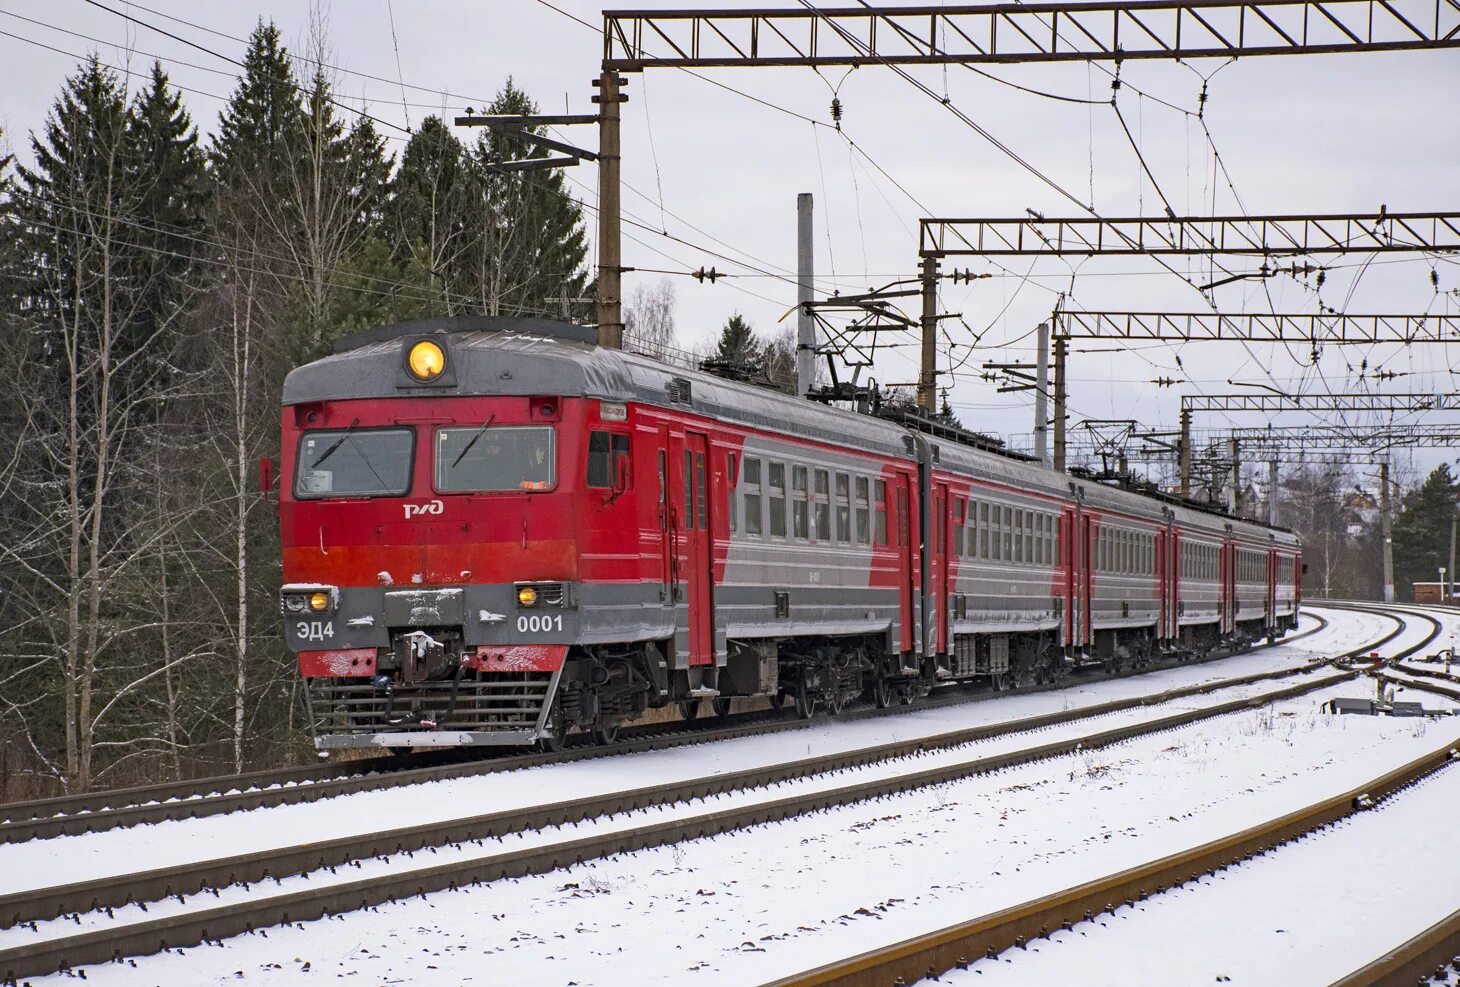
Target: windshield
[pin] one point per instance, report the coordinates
(501, 457)
(350, 462)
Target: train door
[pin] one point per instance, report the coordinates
(1270, 614)
(1229, 587)
(942, 585)
(1159, 560)
(1171, 593)
(1067, 578)
(696, 561)
(898, 507)
(1087, 576)
(668, 522)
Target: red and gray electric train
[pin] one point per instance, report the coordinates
(496, 532)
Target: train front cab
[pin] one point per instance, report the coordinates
(431, 548)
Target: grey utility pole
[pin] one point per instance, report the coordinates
(1061, 347)
(928, 365)
(1041, 397)
(610, 245)
(1386, 531)
(805, 292)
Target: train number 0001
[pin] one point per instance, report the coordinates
(539, 622)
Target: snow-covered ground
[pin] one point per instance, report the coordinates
(1311, 913)
(120, 851)
(751, 905)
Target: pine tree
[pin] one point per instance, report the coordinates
(430, 228)
(258, 127)
(533, 245)
(737, 346)
(167, 171)
(1422, 531)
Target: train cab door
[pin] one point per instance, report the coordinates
(696, 561)
(942, 586)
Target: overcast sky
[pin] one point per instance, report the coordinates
(1305, 134)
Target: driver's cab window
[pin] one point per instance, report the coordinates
(605, 449)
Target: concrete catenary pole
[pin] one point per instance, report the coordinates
(1061, 347)
(805, 292)
(1184, 452)
(1234, 503)
(928, 366)
(1041, 397)
(1272, 492)
(1386, 531)
(1452, 557)
(610, 244)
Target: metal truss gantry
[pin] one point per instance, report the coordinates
(1265, 236)
(1257, 327)
(1030, 32)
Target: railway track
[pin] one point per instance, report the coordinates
(958, 946)
(97, 942)
(101, 811)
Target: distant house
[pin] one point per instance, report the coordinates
(1362, 510)
(1433, 592)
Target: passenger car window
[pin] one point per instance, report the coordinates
(776, 496)
(351, 462)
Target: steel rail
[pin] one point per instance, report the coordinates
(1415, 961)
(211, 924)
(988, 935)
(74, 815)
(195, 876)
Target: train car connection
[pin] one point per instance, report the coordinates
(495, 532)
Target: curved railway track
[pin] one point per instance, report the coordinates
(101, 811)
(329, 896)
(957, 946)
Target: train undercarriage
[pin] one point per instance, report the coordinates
(425, 695)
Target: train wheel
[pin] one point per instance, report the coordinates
(689, 709)
(777, 699)
(722, 706)
(805, 704)
(881, 692)
(907, 694)
(606, 732)
(836, 702)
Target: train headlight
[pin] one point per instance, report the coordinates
(294, 604)
(426, 360)
(319, 602)
(526, 596)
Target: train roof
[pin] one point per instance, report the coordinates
(492, 355)
(496, 356)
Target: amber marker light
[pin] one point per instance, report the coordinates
(319, 602)
(526, 596)
(426, 360)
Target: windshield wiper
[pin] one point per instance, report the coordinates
(472, 441)
(335, 445)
